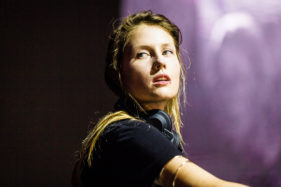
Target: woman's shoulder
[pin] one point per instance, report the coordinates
(132, 131)
(127, 126)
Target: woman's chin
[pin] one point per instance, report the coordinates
(165, 96)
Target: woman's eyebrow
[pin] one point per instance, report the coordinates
(147, 47)
(151, 46)
(166, 45)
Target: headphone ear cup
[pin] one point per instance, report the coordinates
(160, 119)
(176, 140)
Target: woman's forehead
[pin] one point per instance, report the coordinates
(150, 35)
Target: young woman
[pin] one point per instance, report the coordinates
(135, 145)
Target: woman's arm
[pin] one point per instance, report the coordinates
(181, 172)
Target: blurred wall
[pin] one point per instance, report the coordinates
(52, 65)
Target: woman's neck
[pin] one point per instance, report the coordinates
(154, 105)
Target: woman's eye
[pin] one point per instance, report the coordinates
(167, 52)
(142, 55)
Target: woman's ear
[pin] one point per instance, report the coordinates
(120, 81)
(113, 80)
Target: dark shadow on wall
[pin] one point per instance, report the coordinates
(52, 66)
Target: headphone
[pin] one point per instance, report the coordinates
(157, 118)
(163, 123)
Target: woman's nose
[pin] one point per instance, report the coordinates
(159, 63)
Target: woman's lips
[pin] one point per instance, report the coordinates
(161, 80)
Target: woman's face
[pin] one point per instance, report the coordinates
(150, 67)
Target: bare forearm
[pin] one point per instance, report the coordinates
(181, 173)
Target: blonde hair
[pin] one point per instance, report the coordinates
(113, 77)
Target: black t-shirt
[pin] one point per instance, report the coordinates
(128, 153)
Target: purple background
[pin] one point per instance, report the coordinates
(233, 119)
